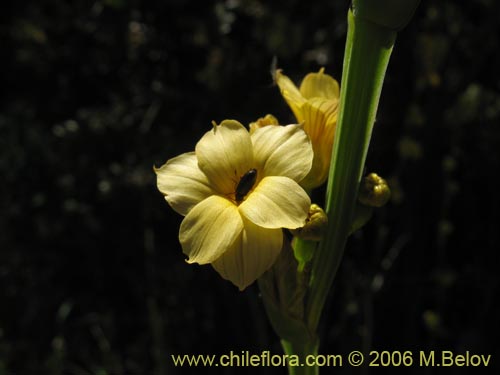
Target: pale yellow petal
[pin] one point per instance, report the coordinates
(210, 229)
(183, 183)
(290, 93)
(225, 154)
(252, 254)
(319, 85)
(277, 202)
(282, 151)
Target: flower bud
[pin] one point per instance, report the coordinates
(374, 191)
(263, 121)
(315, 226)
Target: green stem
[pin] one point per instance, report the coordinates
(302, 349)
(304, 252)
(367, 53)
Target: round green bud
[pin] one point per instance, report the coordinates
(316, 224)
(374, 191)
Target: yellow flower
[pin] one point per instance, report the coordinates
(263, 121)
(315, 105)
(236, 192)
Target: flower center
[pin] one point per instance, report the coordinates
(245, 184)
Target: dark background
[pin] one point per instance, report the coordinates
(94, 93)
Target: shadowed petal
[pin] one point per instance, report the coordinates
(283, 151)
(253, 253)
(183, 183)
(209, 229)
(225, 154)
(277, 202)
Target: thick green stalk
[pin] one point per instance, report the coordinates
(303, 349)
(367, 53)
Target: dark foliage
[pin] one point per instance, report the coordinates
(94, 93)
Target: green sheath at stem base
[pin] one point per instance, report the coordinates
(303, 349)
